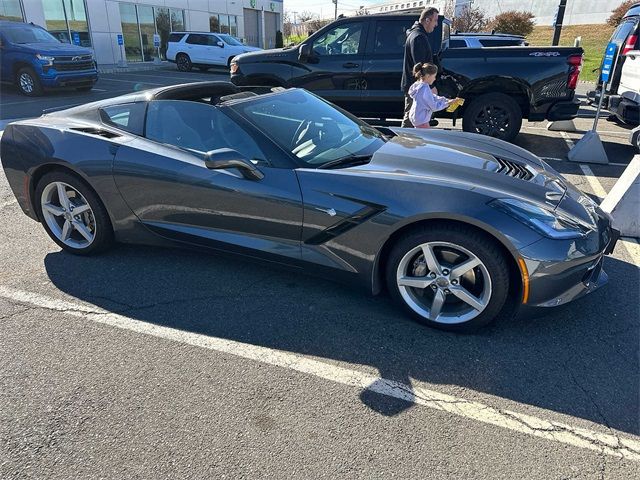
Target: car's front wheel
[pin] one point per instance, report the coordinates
(28, 82)
(448, 277)
(183, 62)
(72, 214)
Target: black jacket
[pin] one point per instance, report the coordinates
(416, 49)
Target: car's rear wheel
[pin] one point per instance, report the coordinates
(28, 82)
(493, 114)
(72, 214)
(448, 277)
(183, 62)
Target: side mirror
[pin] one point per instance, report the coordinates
(224, 158)
(220, 44)
(304, 52)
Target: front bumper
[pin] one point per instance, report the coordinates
(55, 79)
(561, 271)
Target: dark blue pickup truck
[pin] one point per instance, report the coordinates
(34, 60)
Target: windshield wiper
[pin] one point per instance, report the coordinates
(350, 160)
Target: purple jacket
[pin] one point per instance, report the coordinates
(424, 103)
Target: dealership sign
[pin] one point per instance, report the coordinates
(607, 65)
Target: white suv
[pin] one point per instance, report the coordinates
(203, 49)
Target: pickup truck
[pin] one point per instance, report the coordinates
(356, 63)
(33, 60)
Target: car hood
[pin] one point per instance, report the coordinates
(469, 161)
(54, 49)
(264, 55)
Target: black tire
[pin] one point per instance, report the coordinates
(84, 89)
(494, 114)
(183, 62)
(103, 232)
(481, 245)
(28, 82)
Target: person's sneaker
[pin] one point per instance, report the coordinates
(433, 122)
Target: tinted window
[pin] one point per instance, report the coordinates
(176, 37)
(197, 39)
(341, 40)
(500, 43)
(390, 36)
(623, 31)
(129, 116)
(198, 126)
(212, 40)
(457, 44)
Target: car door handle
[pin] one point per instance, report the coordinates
(350, 65)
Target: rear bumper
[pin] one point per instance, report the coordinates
(564, 110)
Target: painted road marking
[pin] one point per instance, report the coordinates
(554, 159)
(102, 79)
(604, 443)
(567, 140)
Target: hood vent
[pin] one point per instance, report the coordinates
(513, 169)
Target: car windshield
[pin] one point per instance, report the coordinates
(229, 40)
(313, 130)
(26, 34)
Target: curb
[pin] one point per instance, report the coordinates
(132, 68)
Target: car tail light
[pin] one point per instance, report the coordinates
(630, 44)
(234, 68)
(575, 62)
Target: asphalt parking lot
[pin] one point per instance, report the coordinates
(155, 363)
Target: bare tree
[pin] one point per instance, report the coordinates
(287, 23)
(470, 19)
(449, 9)
(304, 17)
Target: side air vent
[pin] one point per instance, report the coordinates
(513, 169)
(96, 131)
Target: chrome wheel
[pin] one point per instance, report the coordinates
(444, 282)
(68, 215)
(27, 84)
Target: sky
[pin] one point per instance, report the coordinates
(325, 8)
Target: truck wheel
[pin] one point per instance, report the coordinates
(183, 62)
(493, 114)
(28, 82)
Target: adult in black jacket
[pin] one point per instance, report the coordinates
(417, 50)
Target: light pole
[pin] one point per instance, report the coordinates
(557, 25)
(335, 15)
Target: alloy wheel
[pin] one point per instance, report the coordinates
(493, 121)
(444, 282)
(26, 82)
(68, 215)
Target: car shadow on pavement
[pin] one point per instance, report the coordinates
(579, 360)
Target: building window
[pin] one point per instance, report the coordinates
(11, 10)
(220, 23)
(129, 20)
(67, 21)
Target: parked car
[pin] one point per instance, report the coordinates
(34, 60)
(625, 105)
(627, 37)
(204, 49)
(481, 227)
(480, 40)
(356, 63)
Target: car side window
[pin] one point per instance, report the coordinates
(212, 40)
(195, 39)
(457, 44)
(128, 116)
(198, 126)
(499, 43)
(345, 39)
(175, 37)
(390, 36)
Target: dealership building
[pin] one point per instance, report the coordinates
(125, 29)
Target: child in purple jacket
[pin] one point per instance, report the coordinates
(424, 101)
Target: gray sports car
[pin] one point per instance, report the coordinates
(459, 228)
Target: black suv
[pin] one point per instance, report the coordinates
(357, 62)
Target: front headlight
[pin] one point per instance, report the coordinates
(550, 223)
(45, 59)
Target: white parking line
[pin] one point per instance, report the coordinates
(567, 140)
(191, 79)
(604, 443)
(593, 181)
